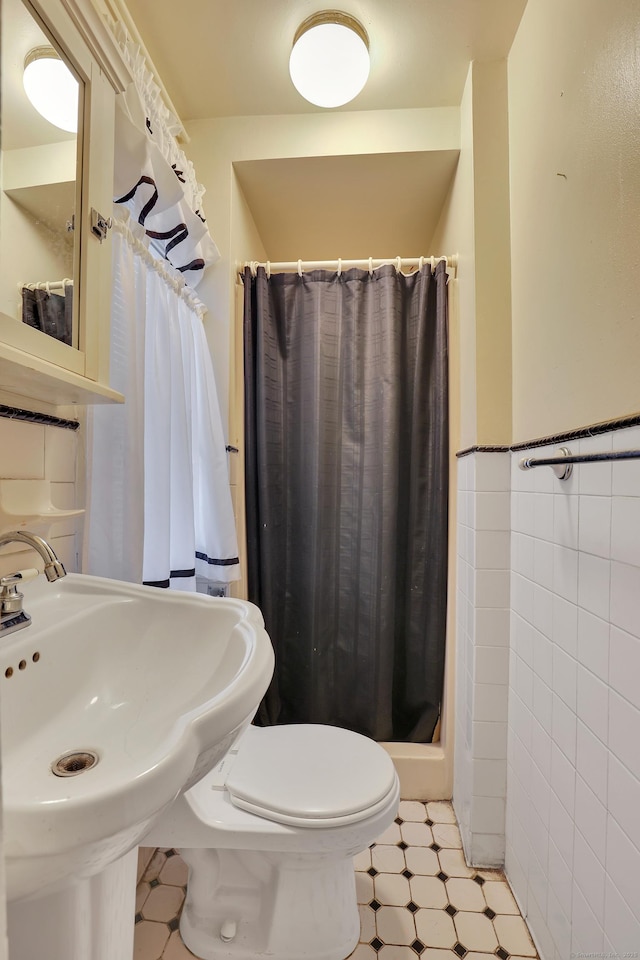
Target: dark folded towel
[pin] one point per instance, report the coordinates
(49, 312)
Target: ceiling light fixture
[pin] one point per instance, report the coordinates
(329, 63)
(51, 88)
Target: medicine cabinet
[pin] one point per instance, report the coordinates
(55, 201)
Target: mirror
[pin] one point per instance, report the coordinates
(39, 191)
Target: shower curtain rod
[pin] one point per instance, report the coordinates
(48, 285)
(340, 265)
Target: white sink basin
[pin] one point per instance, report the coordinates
(157, 684)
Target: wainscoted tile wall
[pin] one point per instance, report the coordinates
(36, 451)
(572, 760)
(482, 657)
(573, 831)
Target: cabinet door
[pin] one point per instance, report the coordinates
(34, 363)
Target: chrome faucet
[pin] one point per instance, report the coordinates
(12, 616)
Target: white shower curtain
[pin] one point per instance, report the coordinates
(158, 500)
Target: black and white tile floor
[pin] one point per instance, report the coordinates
(417, 898)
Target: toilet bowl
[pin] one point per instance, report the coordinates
(269, 837)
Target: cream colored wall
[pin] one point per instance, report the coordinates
(475, 222)
(574, 109)
(455, 232)
(43, 165)
(29, 250)
(492, 252)
(245, 244)
(235, 233)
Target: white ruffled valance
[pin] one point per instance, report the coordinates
(139, 242)
(153, 178)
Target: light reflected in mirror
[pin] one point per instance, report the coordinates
(39, 252)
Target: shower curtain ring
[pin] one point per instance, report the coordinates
(268, 270)
(299, 268)
(339, 266)
(398, 264)
(370, 266)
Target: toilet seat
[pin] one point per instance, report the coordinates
(309, 775)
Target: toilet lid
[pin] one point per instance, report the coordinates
(310, 775)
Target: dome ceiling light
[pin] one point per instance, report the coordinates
(51, 88)
(329, 63)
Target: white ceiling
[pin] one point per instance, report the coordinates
(221, 58)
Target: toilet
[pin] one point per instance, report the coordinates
(269, 837)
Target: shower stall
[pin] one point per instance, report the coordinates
(347, 451)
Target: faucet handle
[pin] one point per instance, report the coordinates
(20, 576)
(12, 616)
(10, 597)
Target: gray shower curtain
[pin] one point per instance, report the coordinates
(346, 494)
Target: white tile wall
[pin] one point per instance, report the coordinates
(482, 671)
(573, 770)
(32, 451)
(548, 698)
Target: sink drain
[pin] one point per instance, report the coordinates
(74, 763)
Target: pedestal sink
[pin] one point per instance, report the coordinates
(134, 691)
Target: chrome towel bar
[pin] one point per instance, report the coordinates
(562, 464)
